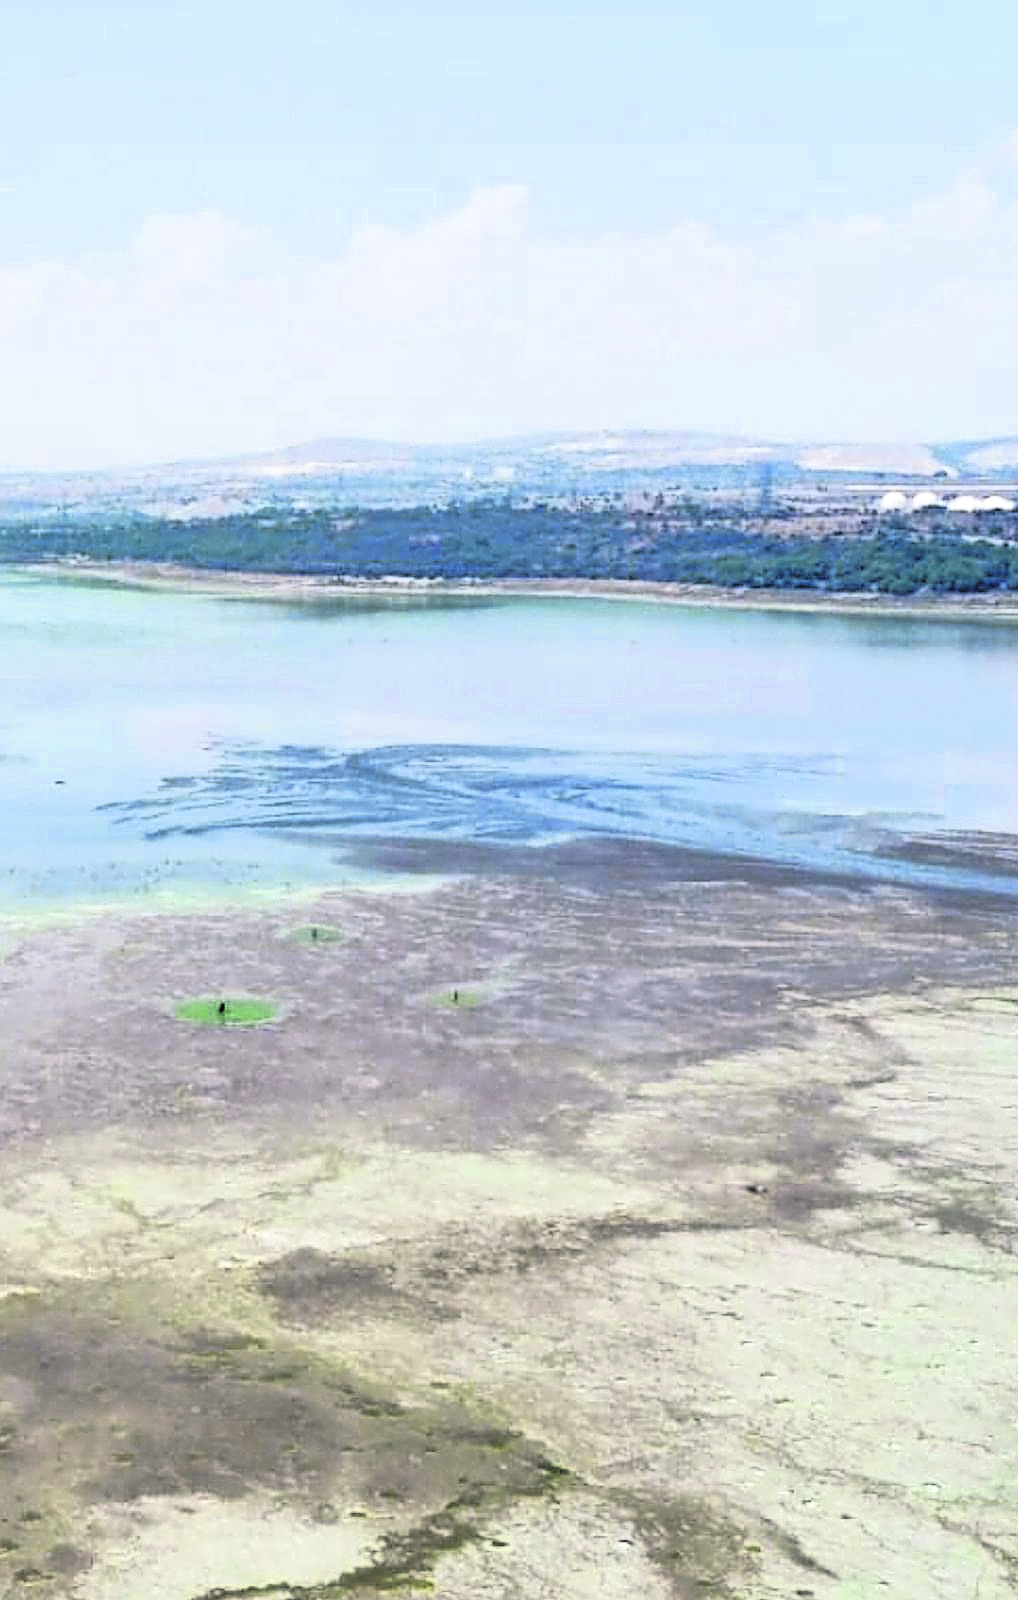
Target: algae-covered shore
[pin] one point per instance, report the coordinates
(678, 1262)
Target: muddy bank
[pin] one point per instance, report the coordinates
(679, 1261)
(589, 952)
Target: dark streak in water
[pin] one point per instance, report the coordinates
(400, 804)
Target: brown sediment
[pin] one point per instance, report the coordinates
(995, 854)
(685, 1264)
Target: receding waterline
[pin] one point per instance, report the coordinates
(156, 742)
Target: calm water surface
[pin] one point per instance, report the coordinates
(158, 740)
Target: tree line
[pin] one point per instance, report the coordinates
(689, 543)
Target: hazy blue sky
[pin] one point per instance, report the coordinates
(231, 225)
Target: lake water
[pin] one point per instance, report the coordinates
(161, 741)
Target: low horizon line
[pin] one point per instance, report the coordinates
(747, 440)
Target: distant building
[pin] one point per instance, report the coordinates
(926, 500)
(980, 502)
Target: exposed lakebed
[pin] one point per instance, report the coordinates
(615, 1217)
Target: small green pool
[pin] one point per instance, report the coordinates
(316, 934)
(459, 999)
(227, 1011)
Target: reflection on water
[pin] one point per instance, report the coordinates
(153, 739)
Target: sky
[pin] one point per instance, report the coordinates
(236, 225)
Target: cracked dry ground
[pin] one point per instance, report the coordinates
(680, 1263)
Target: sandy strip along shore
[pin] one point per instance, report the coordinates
(674, 1256)
(294, 587)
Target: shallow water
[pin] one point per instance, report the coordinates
(154, 740)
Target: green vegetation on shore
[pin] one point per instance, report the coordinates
(685, 541)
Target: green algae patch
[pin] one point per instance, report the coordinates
(316, 935)
(456, 998)
(226, 1012)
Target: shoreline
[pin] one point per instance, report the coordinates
(390, 869)
(21, 919)
(246, 585)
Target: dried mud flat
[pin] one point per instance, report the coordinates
(680, 1262)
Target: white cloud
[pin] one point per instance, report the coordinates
(203, 337)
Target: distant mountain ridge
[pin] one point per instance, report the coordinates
(350, 471)
(612, 450)
(603, 450)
